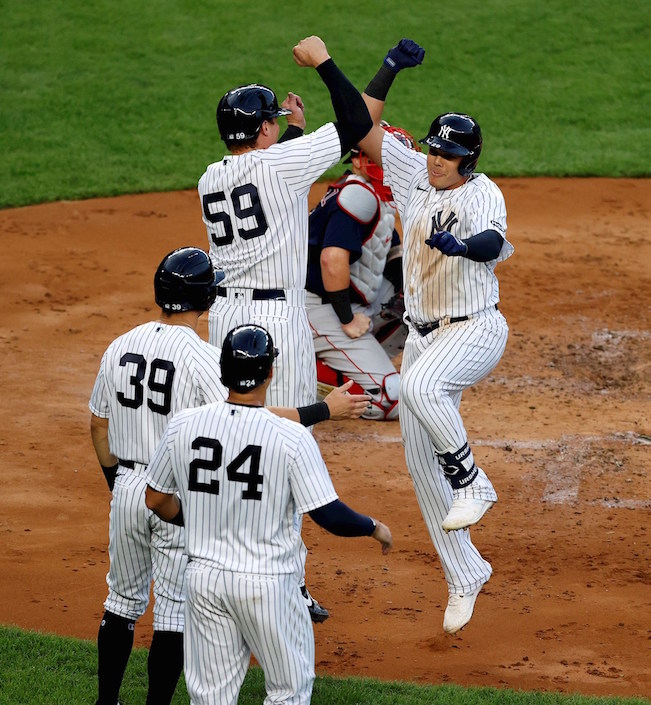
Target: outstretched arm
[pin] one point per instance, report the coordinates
(337, 405)
(339, 519)
(353, 119)
(404, 55)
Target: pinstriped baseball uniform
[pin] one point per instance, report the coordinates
(145, 377)
(437, 367)
(242, 474)
(255, 207)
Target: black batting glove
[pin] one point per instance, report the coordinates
(447, 243)
(404, 55)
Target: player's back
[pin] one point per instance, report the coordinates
(236, 470)
(255, 209)
(147, 375)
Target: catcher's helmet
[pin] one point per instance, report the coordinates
(247, 356)
(186, 281)
(371, 169)
(458, 134)
(242, 111)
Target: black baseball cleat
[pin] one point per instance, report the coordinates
(317, 613)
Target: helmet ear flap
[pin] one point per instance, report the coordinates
(468, 164)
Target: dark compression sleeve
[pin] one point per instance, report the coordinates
(484, 246)
(339, 519)
(353, 119)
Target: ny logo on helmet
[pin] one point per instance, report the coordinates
(444, 132)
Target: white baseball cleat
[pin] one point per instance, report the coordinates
(464, 512)
(459, 610)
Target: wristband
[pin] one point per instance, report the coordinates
(374, 526)
(340, 301)
(110, 473)
(379, 86)
(314, 413)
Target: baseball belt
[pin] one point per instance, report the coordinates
(427, 328)
(258, 294)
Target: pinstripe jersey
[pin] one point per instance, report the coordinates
(242, 473)
(147, 375)
(436, 285)
(255, 207)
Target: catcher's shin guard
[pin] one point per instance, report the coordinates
(384, 402)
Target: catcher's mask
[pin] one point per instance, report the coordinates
(375, 173)
(186, 281)
(248, 353)
(459, 135)
(242, 111)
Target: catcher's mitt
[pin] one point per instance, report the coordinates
(394, 308)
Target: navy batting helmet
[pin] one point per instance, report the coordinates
(242, 111)
(247, 356)
(186, 281)
(457, 134)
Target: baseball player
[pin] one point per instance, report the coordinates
(146, 376)
(255, 208)
(354, 269)
(235, 475)
(454, 226)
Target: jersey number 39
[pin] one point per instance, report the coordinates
(159, 383)
(247, 209)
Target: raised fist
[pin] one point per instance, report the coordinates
(404, 55)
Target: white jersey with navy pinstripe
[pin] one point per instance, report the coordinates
(436, 285)
(242, 474)
(438, 366)
(255, 207)
(146, 376)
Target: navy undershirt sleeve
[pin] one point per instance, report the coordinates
(339, 519)
(484, 246)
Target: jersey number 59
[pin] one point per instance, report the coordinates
(247, 209)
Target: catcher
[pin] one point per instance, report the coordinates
(354, 282)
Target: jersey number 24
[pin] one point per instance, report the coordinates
(250, 457)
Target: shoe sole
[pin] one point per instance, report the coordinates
(471, 523)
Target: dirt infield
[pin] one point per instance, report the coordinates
(562, 427)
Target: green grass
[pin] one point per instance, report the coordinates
(37, 668)
(102, 98)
